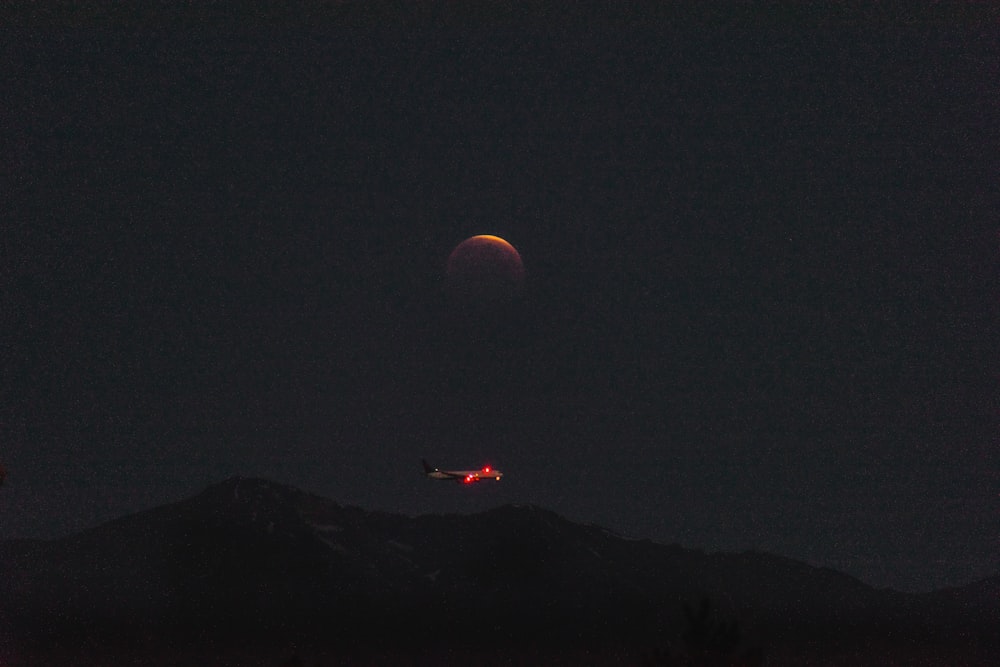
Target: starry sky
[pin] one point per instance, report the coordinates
(761, 302)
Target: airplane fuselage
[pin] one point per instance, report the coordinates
(463, 476)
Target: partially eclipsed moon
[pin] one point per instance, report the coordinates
(485, 267)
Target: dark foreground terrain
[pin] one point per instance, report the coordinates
(251, 572)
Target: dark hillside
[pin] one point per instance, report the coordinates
(252, 563)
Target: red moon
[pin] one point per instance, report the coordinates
(485, 267)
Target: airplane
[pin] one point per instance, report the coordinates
(462, 476)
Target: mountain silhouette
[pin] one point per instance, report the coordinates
(258, 566)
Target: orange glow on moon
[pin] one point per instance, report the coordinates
(485, 267)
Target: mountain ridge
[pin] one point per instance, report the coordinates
(251, 560)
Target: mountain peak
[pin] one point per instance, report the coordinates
(253, 556)
(242, 488)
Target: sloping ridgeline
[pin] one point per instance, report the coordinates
(258, 566)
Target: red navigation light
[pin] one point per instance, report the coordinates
(468, 479)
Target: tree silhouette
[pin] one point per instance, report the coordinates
(708, 640)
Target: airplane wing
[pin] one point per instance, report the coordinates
(437, 473)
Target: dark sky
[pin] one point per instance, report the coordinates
(762, 248)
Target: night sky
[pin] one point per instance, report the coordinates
(761, 306)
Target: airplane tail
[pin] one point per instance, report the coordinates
(427, 467)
